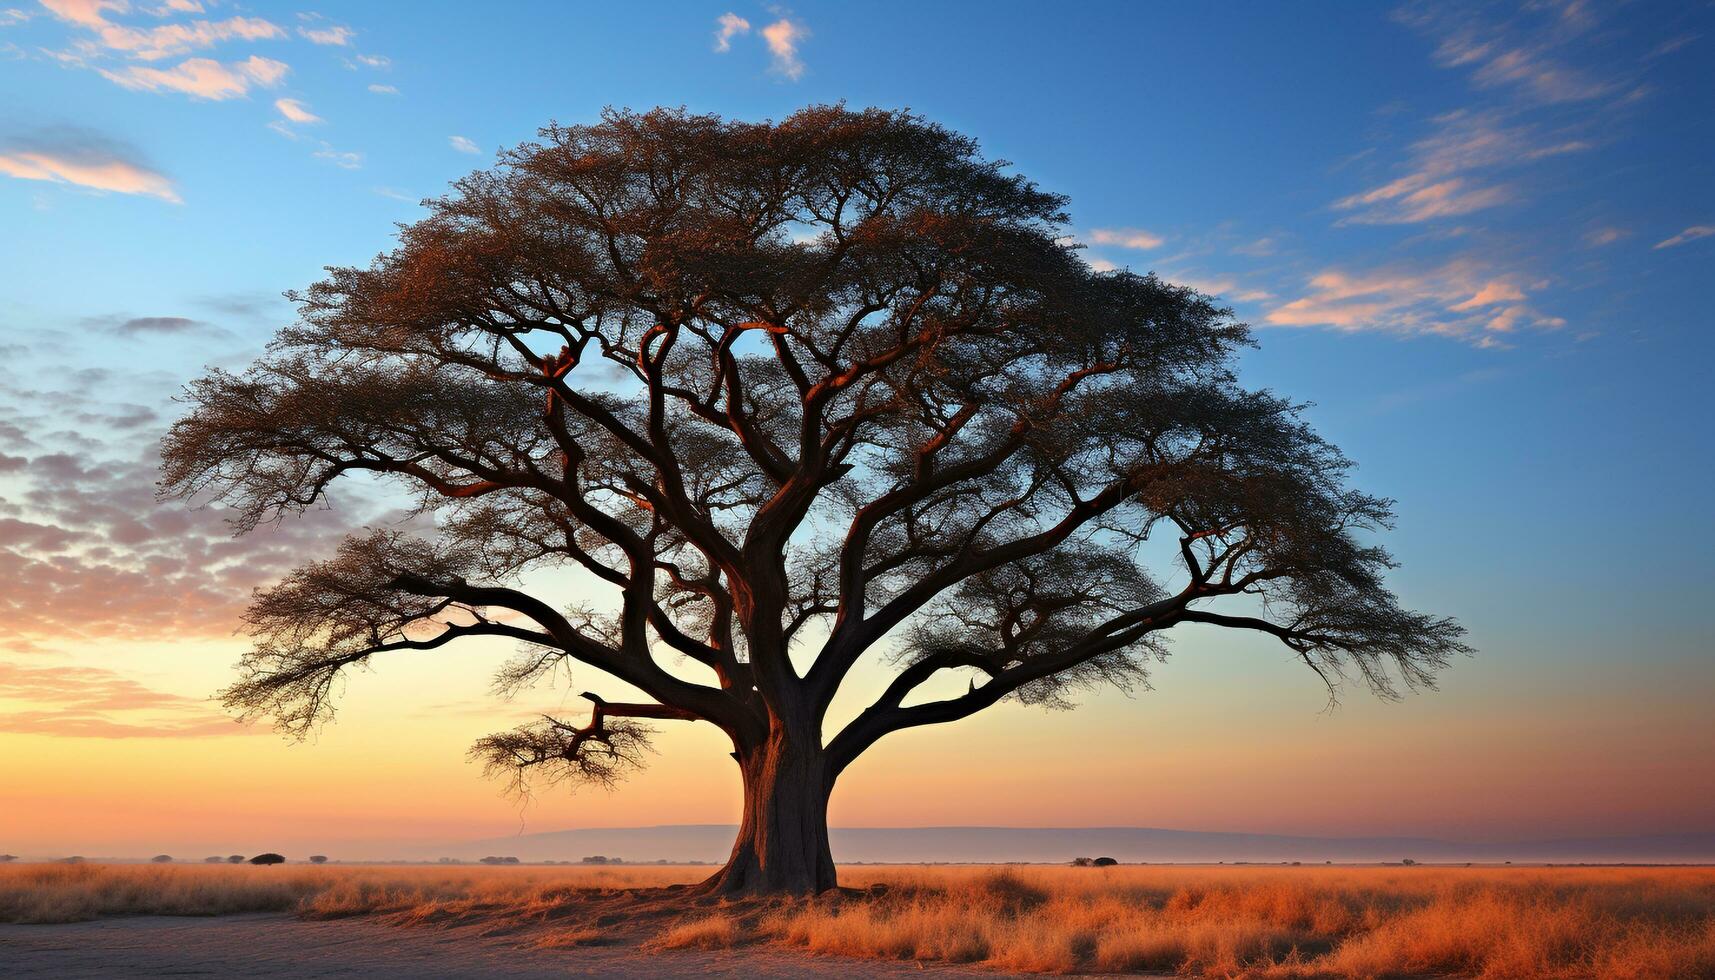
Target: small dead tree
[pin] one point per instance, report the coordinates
(782, 390)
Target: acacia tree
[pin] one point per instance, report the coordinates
(779, 392)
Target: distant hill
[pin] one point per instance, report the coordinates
(711, 842)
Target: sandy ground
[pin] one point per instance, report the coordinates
(283, 946)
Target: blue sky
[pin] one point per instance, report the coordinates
(1477, 237)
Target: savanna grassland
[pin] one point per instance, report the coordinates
(1224, 921)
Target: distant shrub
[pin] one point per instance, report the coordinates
(235, 859)
(217, 859)
(596, 859)
(1082, 862)
(162, 859)
(74, 859)
(8, 857)
(318, 859)
(269, 858)
(499, 860)
(1408, 862)
(1103, 862)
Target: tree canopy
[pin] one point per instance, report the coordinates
(784, 391)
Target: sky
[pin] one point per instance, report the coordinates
(1471, 237)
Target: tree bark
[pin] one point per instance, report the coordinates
(782, 845)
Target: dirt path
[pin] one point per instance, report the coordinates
(283, 946)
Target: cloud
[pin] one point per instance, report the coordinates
(1445, 170)
(783, 37)
(1462, 299)
(94, 702)
(203, 78)
(296, 112)
(71, 156)
(336, 36)
(88, 555)
(159, 325)
(164, 41)
(344, 159)
(1498, 291)
(463, 145)
(1690, 234)
(383, 90)
(376, 61)
(1515, 55)
(1135, 238)
(728, 26)
(1260, 248)
(1598, 237)
(1224, 287)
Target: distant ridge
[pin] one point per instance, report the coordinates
(710, 842)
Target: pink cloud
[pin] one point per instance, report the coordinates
(783, 37)
(728, 26)
(203, 78)
(96, 173)
(1690, 234)
(1457, 299)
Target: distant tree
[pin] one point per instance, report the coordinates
(1408, 862)
(595, 859)
(217, 859)
(500, 860)
(1103, 862)
(235, 859)
(783, 390)
(449, 861)
(1082, 862)
(318, 859)
(269, 858)
(74, 859)
(8, 857)
(162, 859)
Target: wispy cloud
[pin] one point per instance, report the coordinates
(783, 37)
(294, 111)
(203, 78)
(336, 36)
(93, 702)
(728, 26)
(1690, 234)
(1135, 238)
(1510, 55)
(383, 89)
(1451, 171)
(343, 159)
(463, 145)
(1223, 287)
(83, 159)
(1598, 237)
(163, 41)
(1463, 299)
(161, 326)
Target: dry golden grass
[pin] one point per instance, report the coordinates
(1221, 921)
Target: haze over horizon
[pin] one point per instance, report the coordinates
(1481, 265)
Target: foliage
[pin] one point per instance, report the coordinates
(783, 390)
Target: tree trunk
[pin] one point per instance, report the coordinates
(782, 845)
